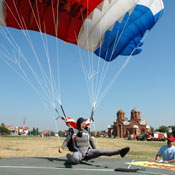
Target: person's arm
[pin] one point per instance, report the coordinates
(157, 158)
(92, 142)
(159, 154)
(171, 161)
(66, 141)
(90, 138)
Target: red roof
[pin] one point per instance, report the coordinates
(46, 132)
(9, 127)
(23, 127)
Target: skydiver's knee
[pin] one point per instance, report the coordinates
(78, 156)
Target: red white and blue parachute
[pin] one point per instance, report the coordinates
(108, 28)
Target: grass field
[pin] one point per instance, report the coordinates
(48, 147)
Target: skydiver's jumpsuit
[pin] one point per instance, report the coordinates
(81, 150)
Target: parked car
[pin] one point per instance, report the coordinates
(142, 136)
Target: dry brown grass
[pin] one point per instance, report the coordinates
(48, 147)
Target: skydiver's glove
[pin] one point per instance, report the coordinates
(60, 149)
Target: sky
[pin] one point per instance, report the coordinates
(146, 83)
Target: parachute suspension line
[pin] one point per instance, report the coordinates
(45, 45)
(32, 70)
(25, 79)
(100, 74)
(45, 78)
(44, 83)
(48, 59)
(24, 76)
(96, 89)
(125, 63)
(50, 71)
(57, 55)
(89, 77)
(18, 50)
(88, 73)
(108, 64)
(119, 71)
(52, 81)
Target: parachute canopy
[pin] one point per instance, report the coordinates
(108, 28)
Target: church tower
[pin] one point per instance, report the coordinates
(135, 115)
(120, 116)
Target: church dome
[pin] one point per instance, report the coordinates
(135, 110)
(147, 126)
(120, 111)
(135, 127)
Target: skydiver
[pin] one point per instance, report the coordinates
(78, 140)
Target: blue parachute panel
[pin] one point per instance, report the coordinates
(126, 36)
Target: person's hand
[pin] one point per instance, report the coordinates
(60, 149)
(165, 161)
(160, 161)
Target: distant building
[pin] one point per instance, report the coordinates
(18, 130)
(46, 133)
(12, 129)
(125, 128)
(23, 130)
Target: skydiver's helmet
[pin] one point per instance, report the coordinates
(79, 121)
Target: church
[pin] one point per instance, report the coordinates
(128, 128)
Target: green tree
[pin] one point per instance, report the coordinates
(173, 130)
(34, 132)
(52, 133)
(4, 131)
(163, 129)
(2, 125)
(61, 133)
(152, 129)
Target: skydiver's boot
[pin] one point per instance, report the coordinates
(124, 151)
(72, 159)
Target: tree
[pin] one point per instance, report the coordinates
(3, 130)
(163, 129)
(2, 125)
(34, 132)
(152, 129)
(61, 133)
(52, 133)
(173, 130)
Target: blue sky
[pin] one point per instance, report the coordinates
(147, 83)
